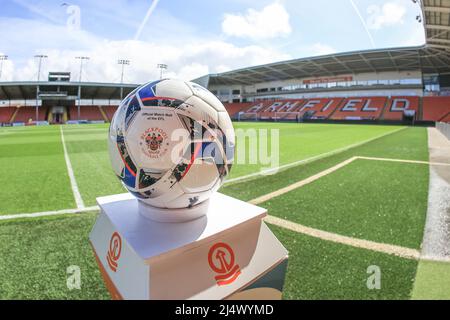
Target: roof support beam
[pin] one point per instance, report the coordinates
(437, 9)
(23, 93)
(284, 74)
(437, 27)
(5, 93)
(343, 65)
(439, 41)
(439, 46)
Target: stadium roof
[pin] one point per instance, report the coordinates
(425, 58)
(437, 23)
(52, 90)
(434, 57)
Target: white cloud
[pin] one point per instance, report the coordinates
(319, 49)
(187, 60)
(416, 37)
(164, 40)
(272, 21)
(184, 61)
(389, 14)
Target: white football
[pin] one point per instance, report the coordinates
(171, 143)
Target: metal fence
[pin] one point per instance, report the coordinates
(444, 128)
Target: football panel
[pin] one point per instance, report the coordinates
(166, 197)
(207, 96)
(202, 176)
(188, 200)
(169, 88)
(226, 126)
(201, 111)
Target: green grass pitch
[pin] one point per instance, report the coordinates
(382, 202)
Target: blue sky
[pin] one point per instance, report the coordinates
(193, 37)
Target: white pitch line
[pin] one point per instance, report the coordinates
(320, 156)
(402, 252)
(301, 183)
(48, 213)
(73, 183)
(405, 161)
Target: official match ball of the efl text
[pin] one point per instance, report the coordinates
(171, 143)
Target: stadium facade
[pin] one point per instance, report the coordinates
(383, 84)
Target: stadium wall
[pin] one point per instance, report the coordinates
(336, 86)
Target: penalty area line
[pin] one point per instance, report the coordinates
(301, 183)
(398, 251)
(307, 160)
(73, 183)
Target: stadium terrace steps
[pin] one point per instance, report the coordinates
(110, 110)
(7, 113)
(105, 117)
(420, 115)
(13, 117)
(386, 107)
(436, 108)
(234, 108)
(445, 118)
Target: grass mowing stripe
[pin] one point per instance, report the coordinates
(33, 174)
(36, 254)
(377, 201)
(432, 281)
(73, 182)
(92, 168)
(320, 270)
(305, 161)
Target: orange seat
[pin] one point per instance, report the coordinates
(26, 113)
(322, 108)
(360, 108)
(86, 113)
(6, 114)
(436, 108)
(397, 105)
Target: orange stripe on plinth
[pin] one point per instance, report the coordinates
(115, 294)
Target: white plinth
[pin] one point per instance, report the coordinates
(143, 259)
(173, 215)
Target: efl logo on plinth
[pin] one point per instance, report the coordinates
(221, 260)
(115, 248)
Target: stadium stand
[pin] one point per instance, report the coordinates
(436, 109)
(92, 113)
(6, 113)
(234, 108)
(353, 108)
(27, 114)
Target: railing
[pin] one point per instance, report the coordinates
(444, 128)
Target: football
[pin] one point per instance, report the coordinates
(171, 143)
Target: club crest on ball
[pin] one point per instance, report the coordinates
(154, 143)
